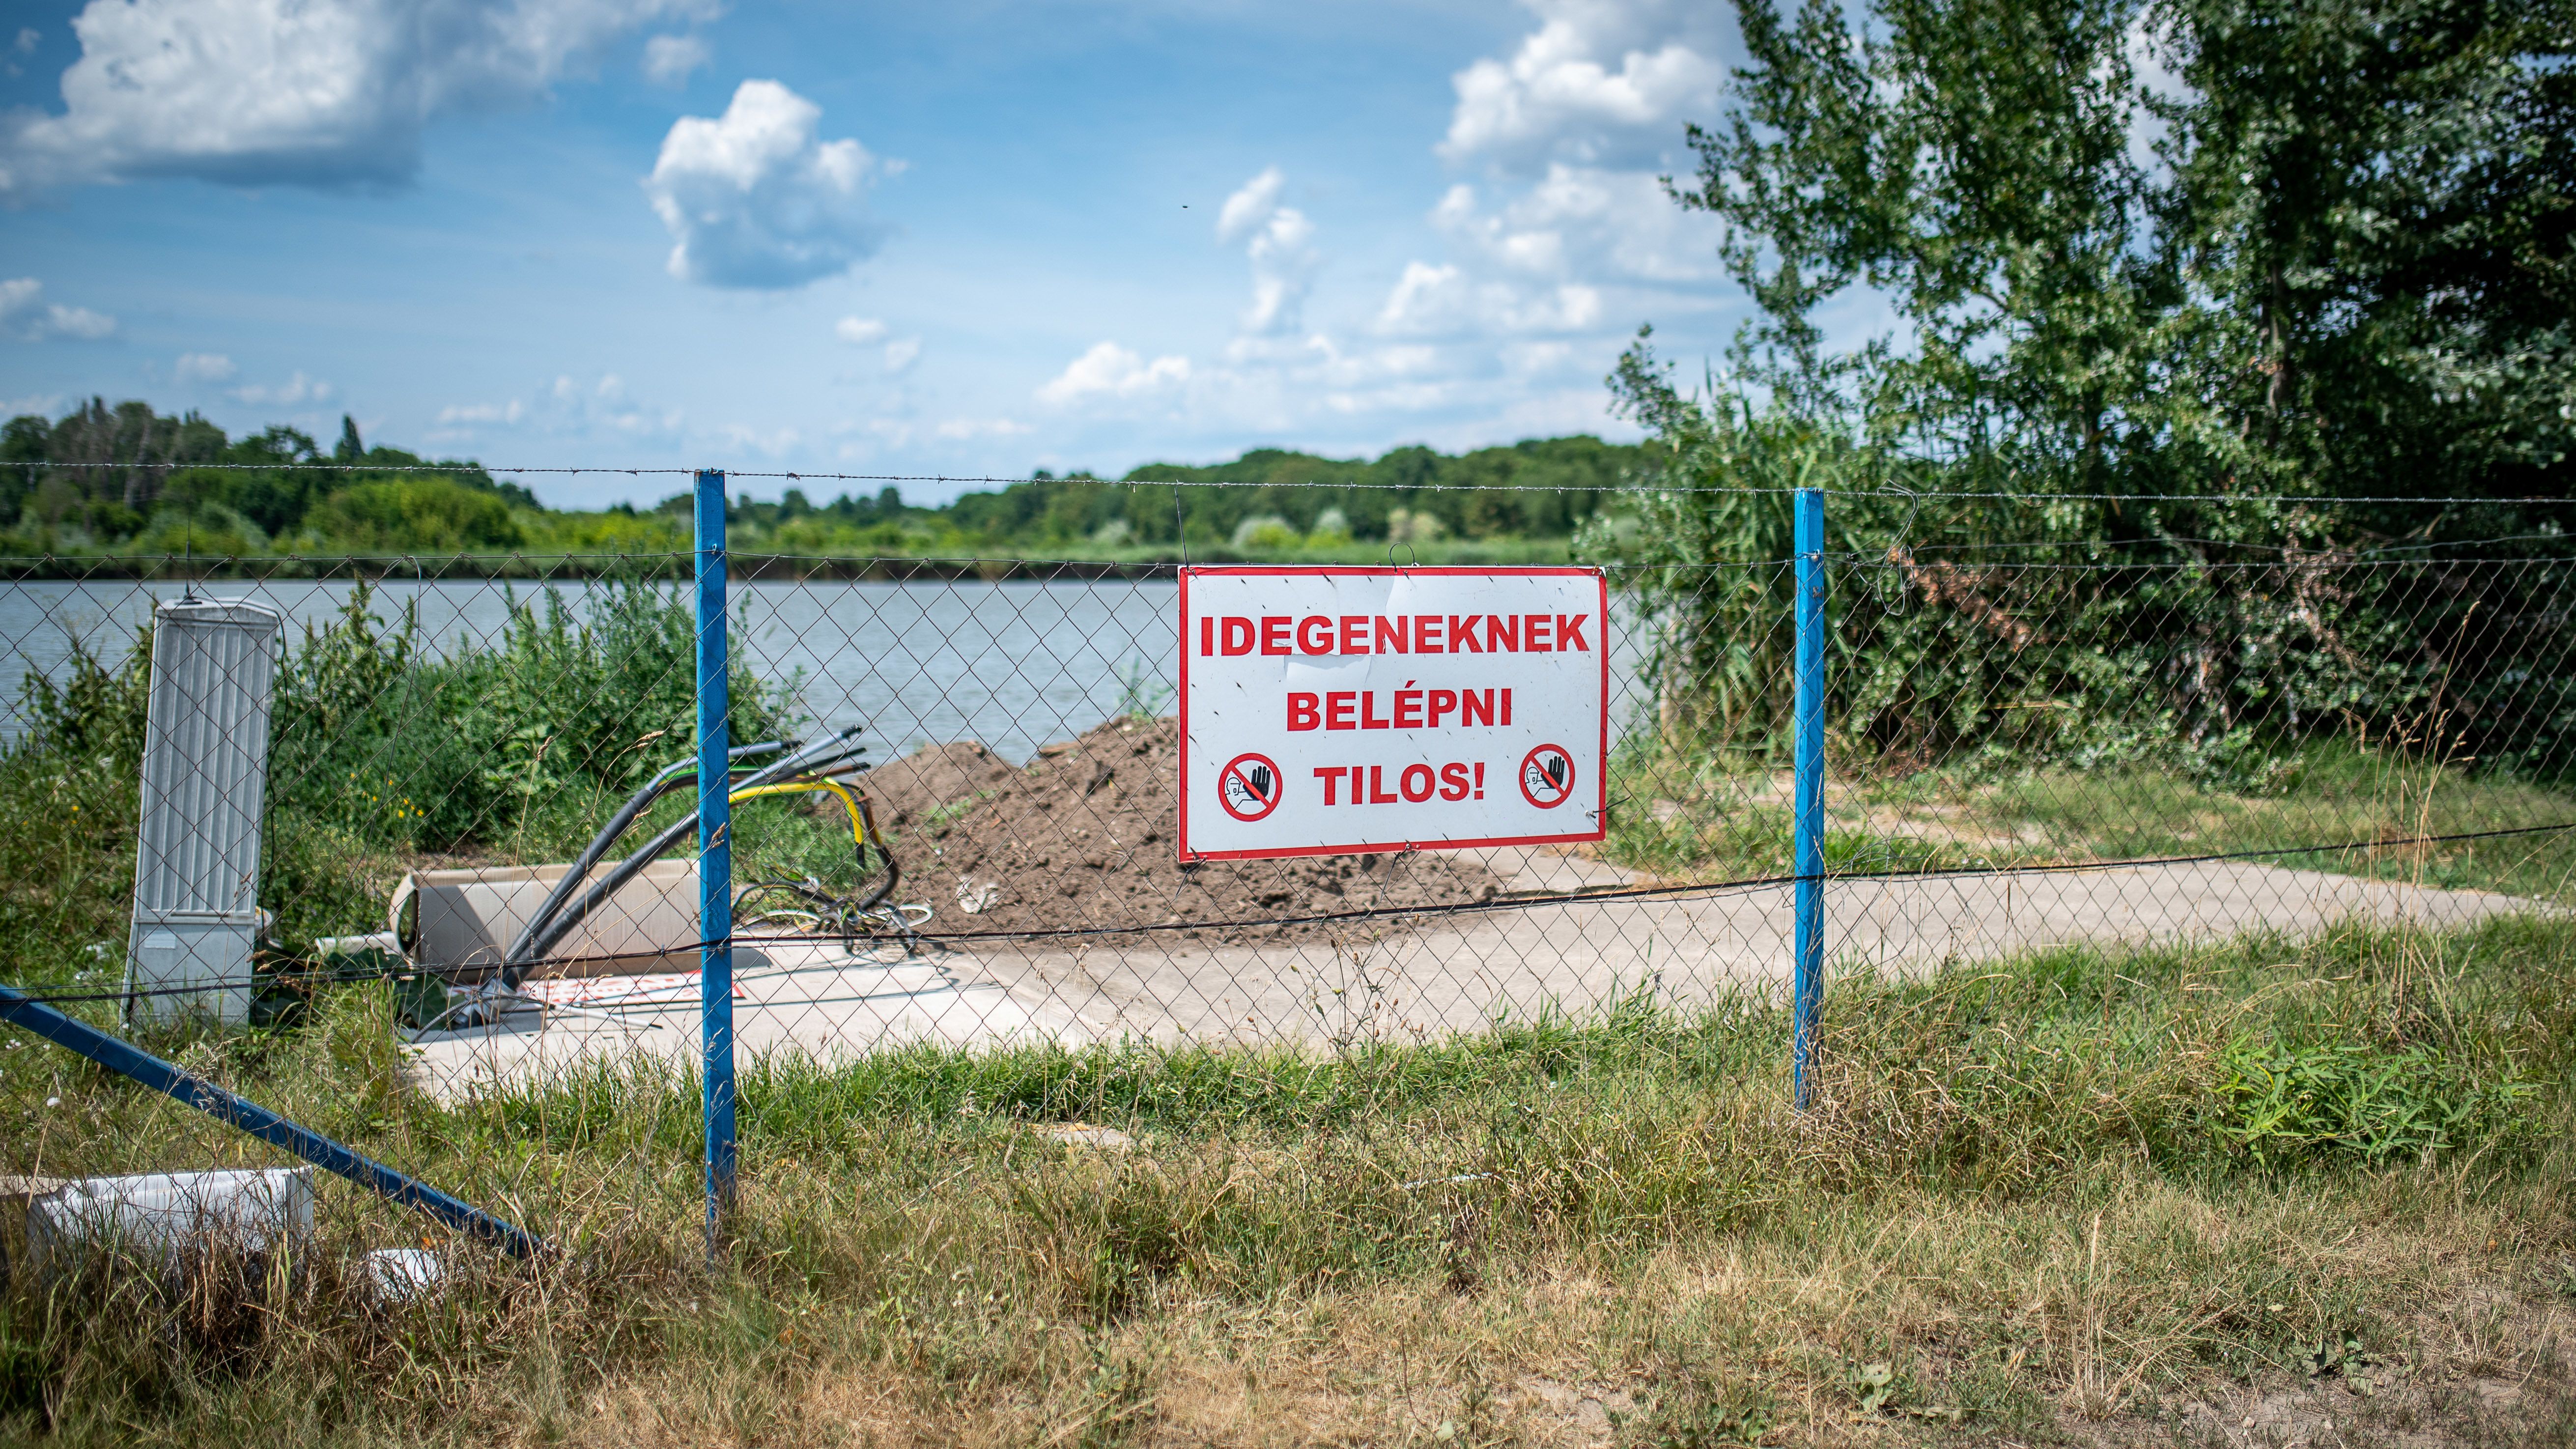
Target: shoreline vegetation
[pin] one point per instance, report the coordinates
(163, 496)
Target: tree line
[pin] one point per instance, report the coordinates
(124, 479)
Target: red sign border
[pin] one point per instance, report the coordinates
(1601, 811)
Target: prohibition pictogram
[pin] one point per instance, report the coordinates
(1547, 776)
(1249, 787)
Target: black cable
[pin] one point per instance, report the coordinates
(664, 781)
(834, 751)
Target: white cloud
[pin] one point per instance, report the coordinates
(865, 331)
(668, 59)
(966, 429)
(1283, 268)
(1588, 223)
(892, 432)
(303, 92)
(296, 389)
(203, 367)
(1109, 370)
(509, 412)
(750, 439)
(25, 316)
(1531, 359)
(1424, 296)
(1567, 239)
(43, 404)
(1443, 300)
(1282, 252)
(1250, 205)
(567, 407)
(1599, 82)
(755, 198)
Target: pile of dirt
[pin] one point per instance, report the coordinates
(909, 793)
(1083, 838)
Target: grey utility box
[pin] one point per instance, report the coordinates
(205, 783)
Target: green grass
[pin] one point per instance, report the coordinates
(2019, 1186)
(1684, 818)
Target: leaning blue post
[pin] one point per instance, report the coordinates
(1809, 746)
(21, 1010)
(715, 859)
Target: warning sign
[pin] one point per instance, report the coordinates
(1339, 710)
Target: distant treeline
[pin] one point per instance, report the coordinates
(125, 480)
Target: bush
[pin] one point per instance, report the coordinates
(424, 515)
(379, 745)
(1973, 627)
(520, 741)
(98, 711)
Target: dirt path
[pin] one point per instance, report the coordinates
(1577, 957)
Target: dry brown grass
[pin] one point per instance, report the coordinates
(2018, 1217)
(2033, 1325)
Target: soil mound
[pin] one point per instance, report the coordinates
(907, 792)
(1083, 839)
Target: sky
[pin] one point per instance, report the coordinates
(968, 239)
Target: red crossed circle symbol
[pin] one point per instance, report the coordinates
(1250, 787)
(1547, 776)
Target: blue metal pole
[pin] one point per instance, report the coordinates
(117, 1055)
(715, 860)
(1809, 746)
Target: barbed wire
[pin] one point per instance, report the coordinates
(478, 567)
(1908, 494)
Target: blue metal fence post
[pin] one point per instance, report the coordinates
(1809, 749)
(715, 859)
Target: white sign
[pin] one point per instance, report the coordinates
(1331, 711)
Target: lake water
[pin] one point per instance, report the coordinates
(1015, 665)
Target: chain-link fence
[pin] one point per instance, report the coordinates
(956, 811)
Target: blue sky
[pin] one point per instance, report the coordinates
(963, 239)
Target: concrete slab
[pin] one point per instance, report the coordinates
(811, 999)
(1459, 973)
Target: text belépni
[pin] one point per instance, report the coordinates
(1394, 634)
(1407, 709)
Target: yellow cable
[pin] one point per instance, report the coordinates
(862, 820)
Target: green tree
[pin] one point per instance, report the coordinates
(2136, 250)
(2375, 206)
(2329, 248)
